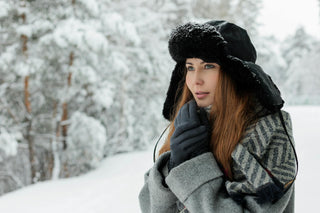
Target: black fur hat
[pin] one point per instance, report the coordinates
(226, 44)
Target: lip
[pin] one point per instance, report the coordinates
(201, 94)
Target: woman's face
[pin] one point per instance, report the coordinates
(201, 79)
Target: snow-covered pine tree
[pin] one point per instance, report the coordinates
(73, 52)
(270, 58)
(296, 51)
(110, 75)
(18, 165)
(303, 83)
(297, 45)
(98, 73)
(212, 9)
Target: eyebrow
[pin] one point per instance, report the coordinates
(203, 62)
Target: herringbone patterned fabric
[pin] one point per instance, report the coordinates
(265, 156)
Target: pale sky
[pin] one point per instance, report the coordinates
(282, 17)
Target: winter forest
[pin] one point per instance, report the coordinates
(84, 80)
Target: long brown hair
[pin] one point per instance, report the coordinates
(231, 113)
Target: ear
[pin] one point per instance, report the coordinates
(173, 94)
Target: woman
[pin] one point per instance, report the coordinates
(229, 147)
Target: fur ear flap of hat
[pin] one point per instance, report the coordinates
(177, 80)
(228, 45)
(250, 76)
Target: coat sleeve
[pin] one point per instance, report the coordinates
(155, 196)
(206, 193)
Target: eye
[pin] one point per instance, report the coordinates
(209, 66)
(190, 68)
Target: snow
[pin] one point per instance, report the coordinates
(104, 96)
(75, 32)
(87, 138)
(83, 74)
(42, 26)
(8, 143)
(25, 30)
(306, 130)
(117, 24)
(4, 7)
(91, 5)
(114, 186)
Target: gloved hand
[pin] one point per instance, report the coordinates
(191, 136)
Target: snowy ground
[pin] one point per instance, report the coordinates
(114, 186)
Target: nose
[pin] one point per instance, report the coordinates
(198, 78)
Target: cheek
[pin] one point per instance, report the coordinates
(215, 81)
(188, 81)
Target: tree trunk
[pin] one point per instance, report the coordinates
(27, 104)
(65, 106)
(64, 127)
(29, 137)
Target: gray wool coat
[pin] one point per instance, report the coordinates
(198, 185)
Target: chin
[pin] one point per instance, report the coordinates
(203, 103)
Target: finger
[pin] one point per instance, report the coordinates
(198, 147)
(193, 143)
(190, 133)
(193, 114)
(179, 117)
(190, 136)
(183, 128)
(176, 121)
(185, 111)
(198, 150)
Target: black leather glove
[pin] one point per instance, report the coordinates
(191, 135)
